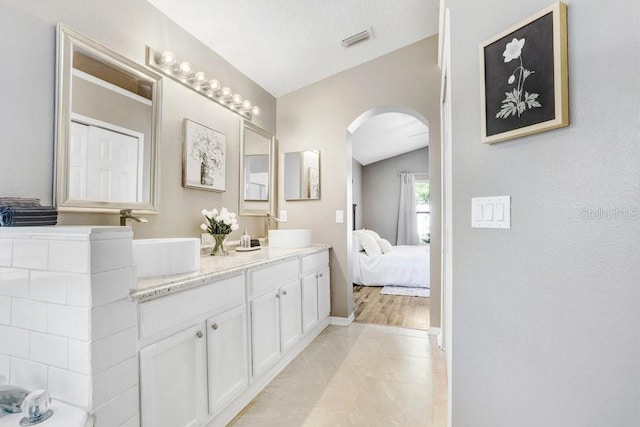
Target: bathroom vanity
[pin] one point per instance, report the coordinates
(182, 350)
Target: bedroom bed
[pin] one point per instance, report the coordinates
(398, 266)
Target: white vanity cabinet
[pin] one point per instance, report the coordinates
(274, 301)
(315, 281)
(194, 352)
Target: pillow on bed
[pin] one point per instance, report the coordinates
(358, 234)
(385, 246)
(374, 234)
(370, 245)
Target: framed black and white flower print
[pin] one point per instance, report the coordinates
(524, 77)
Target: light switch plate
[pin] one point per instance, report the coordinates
(339, 217)
(491, 212)
(283, 216)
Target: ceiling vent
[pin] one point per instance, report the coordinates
(357, 38)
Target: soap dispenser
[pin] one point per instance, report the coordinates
(245, 240)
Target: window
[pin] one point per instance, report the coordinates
(423, 210)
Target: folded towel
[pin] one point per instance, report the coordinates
(19, 201)
(14, 216)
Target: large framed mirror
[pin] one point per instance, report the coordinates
(257, 166)
(302, 175)
(107, 129)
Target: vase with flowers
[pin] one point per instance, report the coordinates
(219, 225)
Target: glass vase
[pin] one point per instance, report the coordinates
(218, 245)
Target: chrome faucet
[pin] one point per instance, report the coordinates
(268, 225)
(128, 214)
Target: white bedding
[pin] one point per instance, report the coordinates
(403, 266)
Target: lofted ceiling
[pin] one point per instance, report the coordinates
(388, 135)
(284, 45)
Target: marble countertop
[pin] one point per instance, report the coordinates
(215, 268)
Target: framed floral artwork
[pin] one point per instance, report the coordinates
(524, 78)
(203, 157)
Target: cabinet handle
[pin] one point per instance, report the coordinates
(214, 326)
(319, 274)
(284, 292)
(199, 334)
(277, 295)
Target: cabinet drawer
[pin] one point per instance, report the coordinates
(172, 310)
(265, 279)
(315, 261)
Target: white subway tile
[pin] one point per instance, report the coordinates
(111, 318)
(80, 356)
(48, 287)
(14, 342)
(71, 322)
(79, 290)
(70, 387)
(28, 374)
(5, 311)
(114, 349)
(6, 247)
(49, 349)
(5, 367)
(119, 409)
(111, 286)
(111, 254)
(30, 253)
(14, 282)
(108, 384)
(29, 314)
(68, 255)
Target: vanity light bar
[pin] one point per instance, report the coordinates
(183, 72)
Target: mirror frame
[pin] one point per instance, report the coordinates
(245, 208)
(284, 172)
(66, 39)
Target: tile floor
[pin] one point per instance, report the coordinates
(360, 375)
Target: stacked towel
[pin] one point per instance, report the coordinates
(22, 212)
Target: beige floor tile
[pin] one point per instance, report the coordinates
(361, 375)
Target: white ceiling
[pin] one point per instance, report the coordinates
(388, 135)
(284, 45)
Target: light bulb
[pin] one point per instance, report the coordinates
(167, 58)
(255, 110)
(184, 69)
(237, 99)
(246, 105)
(198, 78)
(226, 92)
(212, 85)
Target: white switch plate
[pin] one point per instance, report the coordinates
(339, 217)
(283, 216)
(491, 212)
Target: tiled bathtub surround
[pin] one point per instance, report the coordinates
(66, 323)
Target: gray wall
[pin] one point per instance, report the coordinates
(381, 191)
(545, 314)
(356, 179)
(125, 26)
(317, 117)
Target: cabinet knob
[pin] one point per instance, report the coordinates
(214, 326)
(277, 295)
(284, 292)
(319, 274)
(199, 334)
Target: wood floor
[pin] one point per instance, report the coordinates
(391, 310)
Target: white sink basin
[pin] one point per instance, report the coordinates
(163, 257)
(289, 238)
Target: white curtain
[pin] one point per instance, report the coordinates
(407, 219)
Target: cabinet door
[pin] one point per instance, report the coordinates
(265, 332)
(289, 315)
(227, 357)
(172, 380)
(309, 302)
(324, 293)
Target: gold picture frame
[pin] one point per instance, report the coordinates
(524, 77)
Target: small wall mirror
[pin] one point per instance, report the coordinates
(257, 170)
(108, 111)
(302, 175)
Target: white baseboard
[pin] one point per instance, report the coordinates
(435, 332)
(342, 321)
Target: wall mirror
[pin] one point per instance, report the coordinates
(257, 171)
(302, 175)
(107, 129)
